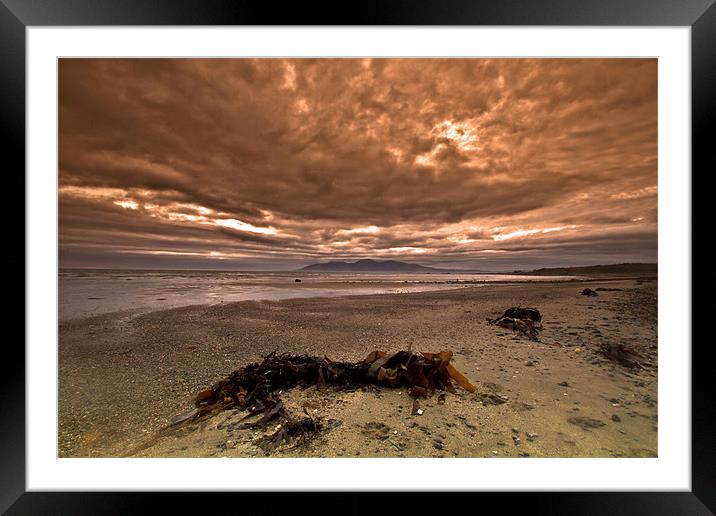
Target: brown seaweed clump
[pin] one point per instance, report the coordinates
(527, 321)
(256, 387)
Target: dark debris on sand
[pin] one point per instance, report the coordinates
(527, 321)
(256, 387)
(620, 354)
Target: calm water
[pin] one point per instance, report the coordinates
(92, 292)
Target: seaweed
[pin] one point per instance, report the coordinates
(527, 321)
(256, 387)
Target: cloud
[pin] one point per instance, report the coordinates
(281, 162)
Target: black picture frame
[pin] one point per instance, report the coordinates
(17, 15)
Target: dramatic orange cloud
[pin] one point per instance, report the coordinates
(492, 164)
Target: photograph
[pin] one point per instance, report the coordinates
(357, 257)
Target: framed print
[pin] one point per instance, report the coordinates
(283, 251)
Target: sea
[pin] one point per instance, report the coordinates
(88, 292)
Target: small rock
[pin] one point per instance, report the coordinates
(616, 418)
(586, 423)
(491, 399)
(515, 430)
(589, 292)
(438, 444)
(297, 280)
(516, 440)
(563, 384)
(531, 436)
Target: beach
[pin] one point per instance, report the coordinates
(124, 375)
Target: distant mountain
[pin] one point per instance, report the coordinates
(617, 268)
(368, 266)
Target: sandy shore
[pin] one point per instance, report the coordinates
(122, 377)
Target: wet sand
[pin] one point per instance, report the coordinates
(124, 376)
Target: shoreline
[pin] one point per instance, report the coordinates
(123, 377)
(348, 285)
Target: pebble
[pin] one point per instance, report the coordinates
(531, 436)
(616, 418)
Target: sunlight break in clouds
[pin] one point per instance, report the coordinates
(243, 226)
(527, 232)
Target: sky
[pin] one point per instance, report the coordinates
(271, 164)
